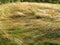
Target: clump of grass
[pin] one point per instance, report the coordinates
(32, 28)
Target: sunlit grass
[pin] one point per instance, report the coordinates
(31, 23)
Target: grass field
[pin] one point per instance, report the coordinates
(24, 23)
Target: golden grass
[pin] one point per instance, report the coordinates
(49, 10)
(29, 19)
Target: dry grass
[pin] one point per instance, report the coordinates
(30, 22)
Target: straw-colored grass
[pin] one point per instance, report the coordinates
(30, 23)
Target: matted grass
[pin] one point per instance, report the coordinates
(30, 23)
